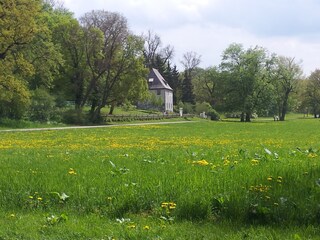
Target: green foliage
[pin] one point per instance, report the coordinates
(213, 115)
(202, 107)
(187, 89)
(42, 106)
(14, 97)
(247, 73)
(188, 108)
(285, 80)
(75, 116)
(312, 92)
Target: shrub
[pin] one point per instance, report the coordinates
(74, 116)
(188, 108)
(214, 115)
(42, 107)
(202, 107)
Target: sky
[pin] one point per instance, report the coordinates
(288, 28)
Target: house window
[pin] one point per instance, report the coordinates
(158, 92)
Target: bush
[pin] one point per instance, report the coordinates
(203, 107)
(74, 116)
(42, 107)
(14, 97)
(188, 108)
(214, 115)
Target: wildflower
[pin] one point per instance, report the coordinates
(168, 205)
(269, 179)
(235, 162)
(109, 198)
(172, 205)
(312, 155)
(39, 198)
(226, 162)
(146, 227)
(254, 162)
(279, 179)
(12, 215)
(201, 162)
(72, 171)
(132, 226)
(267, 197)
(259, 188)
(30, 197)
(164, 205)
(276, 204)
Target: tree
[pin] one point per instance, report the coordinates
(18, 27)
(190, 62)
(172, 76)
(313, 92)
(286, 75)
(156, 56)
(70, 36)
(208, 86)
(247, 79)
(43, 52)
(114, 56)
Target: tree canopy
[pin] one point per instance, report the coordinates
(96, 61)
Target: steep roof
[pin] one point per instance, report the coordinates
(156, 81)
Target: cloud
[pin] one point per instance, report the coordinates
(269, 17)
(286, 27)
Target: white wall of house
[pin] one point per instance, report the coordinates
(167, 98)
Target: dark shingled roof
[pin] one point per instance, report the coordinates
(158, 81)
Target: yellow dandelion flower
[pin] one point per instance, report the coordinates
(146, 227)
(254, 162)
(31, 197)
(267, 197)
(312, 155)
(39, 198)
(72, 171)
(12, 215)
(201, 162)
(226, 162)
(269, 178)
(164, 205)
(172, 205)
(132, 226)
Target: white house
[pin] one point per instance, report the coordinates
(159, 86)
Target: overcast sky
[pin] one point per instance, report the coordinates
(207, 27)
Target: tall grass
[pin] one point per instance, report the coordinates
(257, 173)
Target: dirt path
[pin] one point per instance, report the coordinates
(86, 127)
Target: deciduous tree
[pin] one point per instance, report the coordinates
(287, 73)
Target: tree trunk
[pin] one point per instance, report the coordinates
(284, 106)
(242, 117)
(112, 108)
(248, 117)
(96, 115)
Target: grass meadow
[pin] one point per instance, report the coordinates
(195, 180)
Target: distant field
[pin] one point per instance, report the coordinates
(201, 180)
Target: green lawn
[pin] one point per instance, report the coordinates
(200, 180)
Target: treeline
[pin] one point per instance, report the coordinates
(49, 59)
